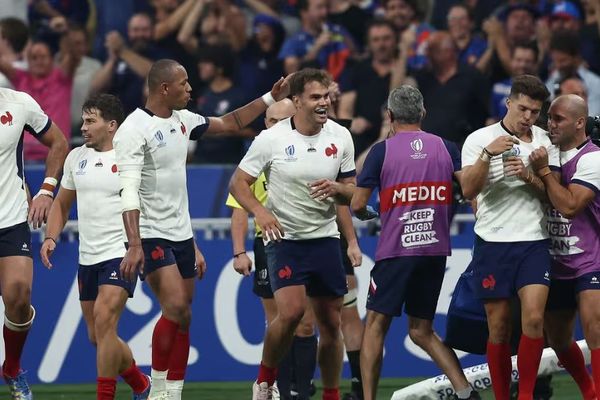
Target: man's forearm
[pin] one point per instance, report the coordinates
(240, 117)
(131, 221)
(473, 178)
(345, 225)
(345, 192)
(139, 64)
(560, 197)
(239, 229)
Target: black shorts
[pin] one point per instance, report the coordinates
(262, 284)
(159, 253)
(411, 282)
(314, 263)
(15, 241)
(345, 259)
(90, 277)
(563, 292)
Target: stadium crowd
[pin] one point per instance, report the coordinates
(461, 55)
(477, 75)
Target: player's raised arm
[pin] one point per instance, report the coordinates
(240, 117)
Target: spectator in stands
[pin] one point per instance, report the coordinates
(590, 48)
(14, 36)
(408, 20)
(49, 19)
(572, 85)
(566, 60)
(260, 65)
(366, 85)
(125, 70)
(319, 44)
(351, 17)
(14, 9)
(514, 24)
(460, 26)
(219, 22)
(217, 68)
(275, 9)
(86, 69)
(456, 96)
(49, 84)
(524, 61)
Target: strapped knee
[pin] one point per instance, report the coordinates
(351, 298)
(20, 327)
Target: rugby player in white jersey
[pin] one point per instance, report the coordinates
(19, 113)
(510, 256)
(151, 148)
(309, 163)
(90, 176)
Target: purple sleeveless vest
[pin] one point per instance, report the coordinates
(415, 197)
(575, 245)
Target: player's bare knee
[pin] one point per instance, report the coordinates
(291, 315)
(105, 320)
(305, 328)
(421, 336)
(592, 334)
(533, 324)
(17, 300)
(178, 310)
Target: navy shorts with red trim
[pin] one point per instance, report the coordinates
(563, 292)
(90, 277)
(15, 241)
(159, 253)
(502, 268)
(314, 263)
(413, 283)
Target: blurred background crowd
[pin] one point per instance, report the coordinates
(461, 55)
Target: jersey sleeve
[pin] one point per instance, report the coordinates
(195, 123)
(553, 157)
(347, 167)
(471, 150)
(259, 155)
(129, 146)
(454, 153)
(370, 175)
(588, 171)
(37, 122)
(67, 180)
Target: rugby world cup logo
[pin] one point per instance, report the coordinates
(82, 165)
(289, 152)
(160, 138)
(416, 145)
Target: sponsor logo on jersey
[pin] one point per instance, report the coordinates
(6, 118)
(99, 164)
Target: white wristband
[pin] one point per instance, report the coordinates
(51, 181)
(44, 192)
(268, 99)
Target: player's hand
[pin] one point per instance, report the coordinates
(39, 210)
(200, 262)
(281, 88)
(132, 263)
(354, 254)
(46, 251)
(359, 125)
(269, 225)
(539, 158)
(513, 166)
(242, 264)
(323, 189)
(501, 144)
(367, 213)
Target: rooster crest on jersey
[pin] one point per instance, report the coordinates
(331, 151)
(7, 119)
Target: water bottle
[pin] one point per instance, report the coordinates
(514, 152)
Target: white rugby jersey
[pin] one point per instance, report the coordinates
(508, 210)
(291, 161)
(157, 148)
(93, 175)
(19, 112)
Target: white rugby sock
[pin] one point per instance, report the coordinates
(174, 388)
(159, 381)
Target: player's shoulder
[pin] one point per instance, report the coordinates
(14, 96)
(591, 157)
(137, 117)
(486, 133)
(78, 153)
(540, 136)
(281, 129)
(334, 128)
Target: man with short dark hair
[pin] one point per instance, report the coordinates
(510, 256)
(151, 148)
(415, 236)
(309, 161)
(90, 175)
